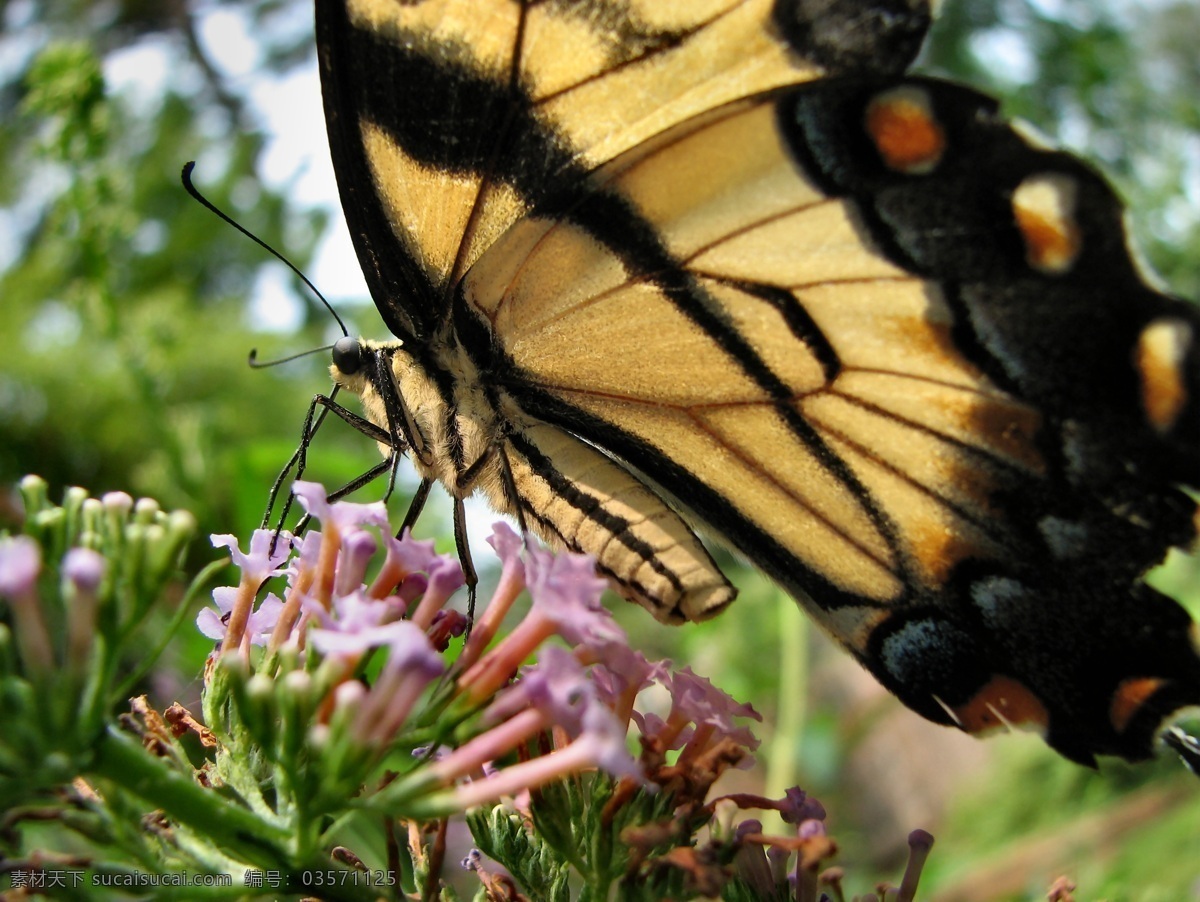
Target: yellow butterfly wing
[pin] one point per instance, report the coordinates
(854, 323)
(465, 110)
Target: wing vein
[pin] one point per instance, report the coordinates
(753, 465)
(683, 36)
(487, 175)
(753, 224)
(984, 524)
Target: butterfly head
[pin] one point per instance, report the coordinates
(347, 357)
(361, 366)
(374, 372)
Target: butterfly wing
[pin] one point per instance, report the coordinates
(929, 397)
(470, 112)
(892, 351)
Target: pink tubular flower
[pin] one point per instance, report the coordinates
(809, 828)
(267, 555)
(121, 502)
(566, 593)
(325, 582)
(355, 625)
(339, 515)
(556, 686)
(357, 662)
(214, 623)
(336, 519)
(84, 568)
(621, 673)
(556, 692)
(412, 664)
(496, 742)
(577, 699)
(20, 564)
(601, 745)
(261, 561)
(695, 700)
(358, 547)
(703, 702)
(667, 735)
(446, 625)
(797, 807)
(406, 558)
(445, 578)
(308, 554)
(508, 546)
(301, 574)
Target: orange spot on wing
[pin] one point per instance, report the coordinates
(1050, 245)
(1044, 210)
(1159, 357)
(1002, 702)
(1129, 698)
(905, 133)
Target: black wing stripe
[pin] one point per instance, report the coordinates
(988, 525)
(489, 171)
(711, 506)
(515, 136)
(591, 507)
(391, 270)
(823, 453)
(613, 221)
(799, 322)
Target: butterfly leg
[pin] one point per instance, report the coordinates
(463, 547)
(510, 491)
(299, 459)
(352, 486)
(415, 506)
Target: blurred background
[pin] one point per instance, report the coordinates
(129, 311)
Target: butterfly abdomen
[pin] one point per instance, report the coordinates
(566, 491)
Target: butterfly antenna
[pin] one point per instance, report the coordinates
(253, 362)
(204, 201)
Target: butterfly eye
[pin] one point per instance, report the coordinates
(347, 355)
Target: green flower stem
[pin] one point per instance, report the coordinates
(787, 738)
(417, 796)
(121, 759)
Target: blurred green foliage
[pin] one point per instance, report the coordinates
(126, 303)
(127, 323)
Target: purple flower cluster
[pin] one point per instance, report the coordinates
(580, 693)
(331, 608)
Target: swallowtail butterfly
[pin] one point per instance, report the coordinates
(655, 263)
